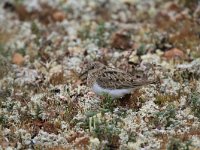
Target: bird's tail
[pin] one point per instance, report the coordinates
(145, 82)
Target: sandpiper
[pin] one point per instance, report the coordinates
(114, 82)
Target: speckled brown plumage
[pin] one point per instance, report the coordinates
(111, 78)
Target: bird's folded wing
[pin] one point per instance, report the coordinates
(111, 79)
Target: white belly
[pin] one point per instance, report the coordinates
(114, 93)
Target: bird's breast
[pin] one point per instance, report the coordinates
(114, 93)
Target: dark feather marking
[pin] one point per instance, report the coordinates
(111, 78)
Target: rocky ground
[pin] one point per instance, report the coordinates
(45, 44)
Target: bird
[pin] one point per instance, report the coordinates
(115, 83)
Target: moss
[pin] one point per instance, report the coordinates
(132, 137)
(194, 102)
(162, 99)
(188, 3)
(21, 51)
(4, 52)
(3, 120)
(103, 129)
(3, 95)
(35, 30)
(97, 36)
(38, 112)
(108, 103)
(70, 111)
(101, 41)
(84, 33)
(165, 117)
(4, 66)
(19, 2)
(185, 75)
(141, 50)
(107, 131)
(177, 144)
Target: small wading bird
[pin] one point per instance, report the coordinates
(113, 82)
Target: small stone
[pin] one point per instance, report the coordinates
(121, 40)
(174, 53)
(58, 16)
(17, 59)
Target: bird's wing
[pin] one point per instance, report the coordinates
(112, 79)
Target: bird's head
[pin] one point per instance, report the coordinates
(91, 67)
